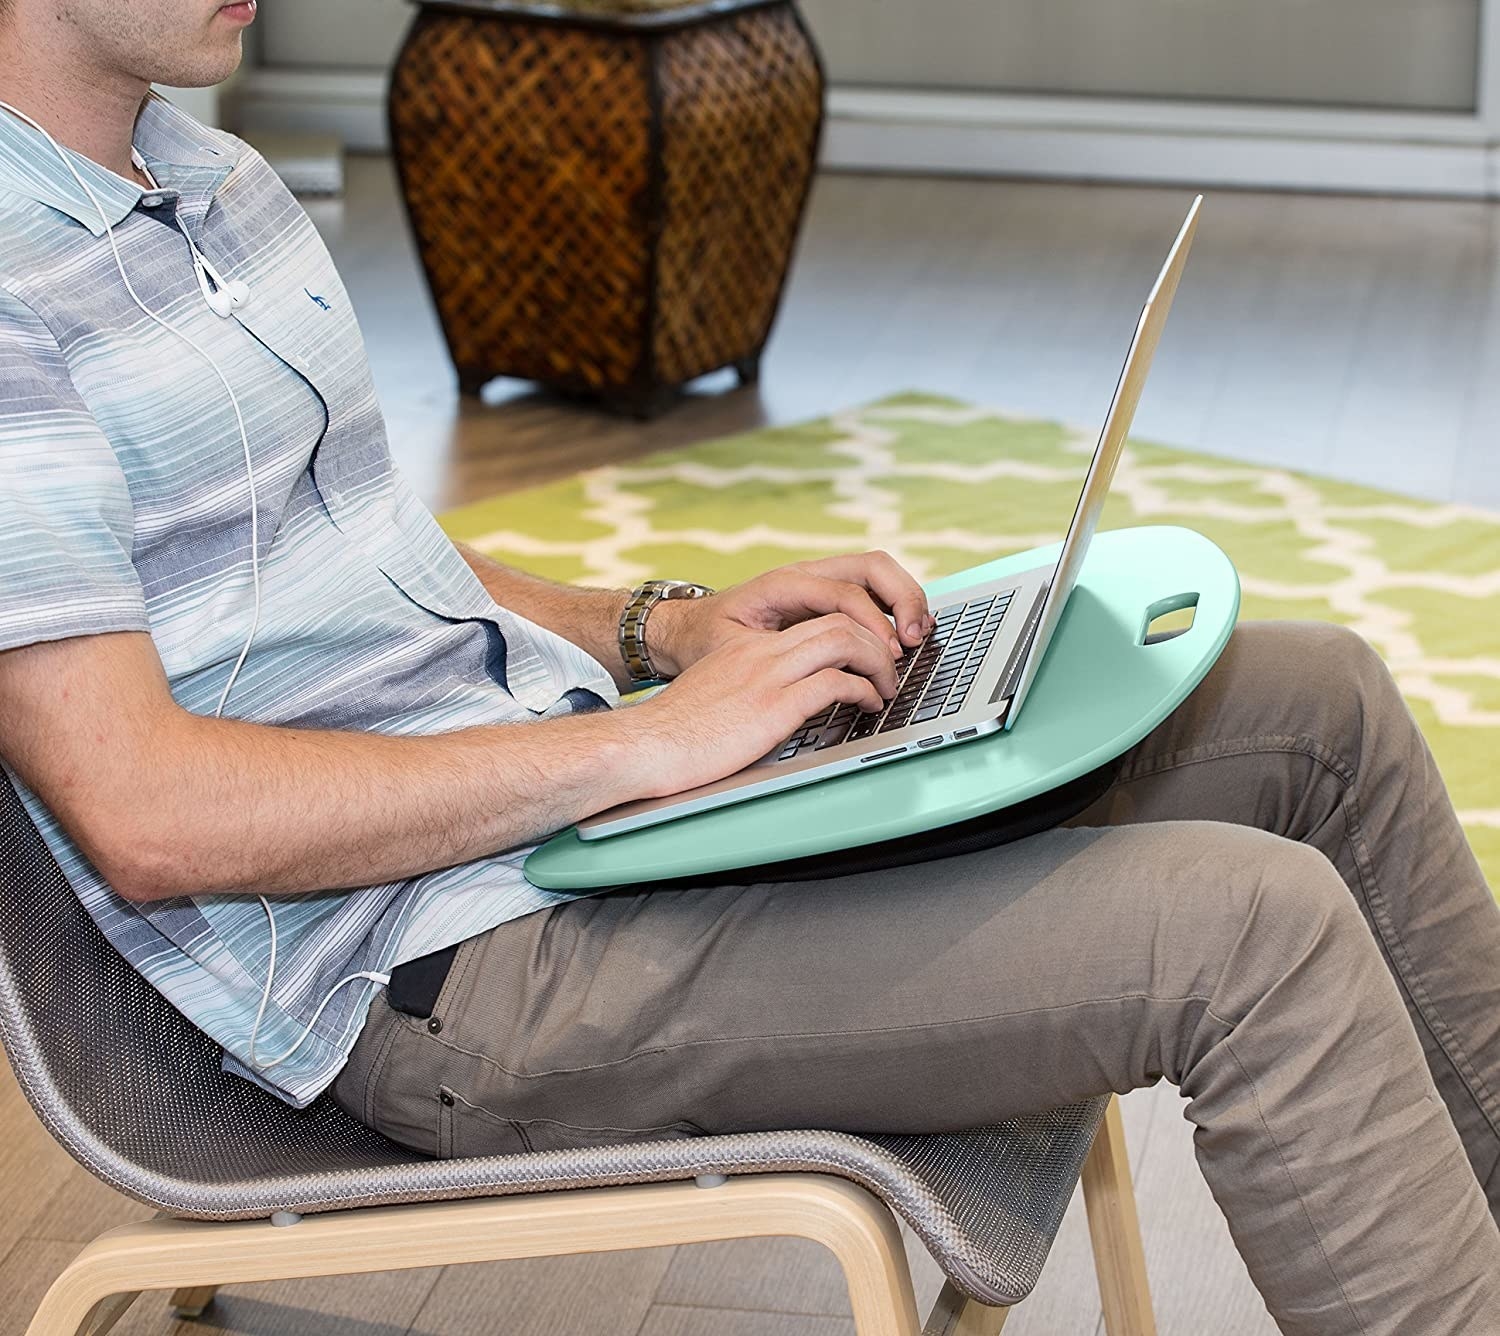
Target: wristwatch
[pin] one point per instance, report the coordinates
(633, 622)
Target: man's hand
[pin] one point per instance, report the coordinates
(747, 696)
(868, 589)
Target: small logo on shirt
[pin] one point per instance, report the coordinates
(318, 301)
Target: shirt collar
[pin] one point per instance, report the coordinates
(179, 151)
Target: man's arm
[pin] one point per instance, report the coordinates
(590, 618)
(167, 803)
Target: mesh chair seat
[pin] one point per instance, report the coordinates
(135, 1093)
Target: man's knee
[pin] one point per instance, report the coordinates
(1349, 692)
(1281, 938)
(1337, 688)
(1247, 918)
(1333, 652)
(1295, 883)
(1297, 915)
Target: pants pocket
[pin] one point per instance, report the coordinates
(466, 1129)
(547, 1134)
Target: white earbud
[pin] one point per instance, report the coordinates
(218, 301)
(224, 297)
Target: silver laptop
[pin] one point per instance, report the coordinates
(970, 677)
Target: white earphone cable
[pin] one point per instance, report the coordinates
(239, 417)
(265, 997)
(202, 267)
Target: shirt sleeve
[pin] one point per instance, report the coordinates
(66, 522)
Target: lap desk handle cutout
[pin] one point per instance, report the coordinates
(1101, 689)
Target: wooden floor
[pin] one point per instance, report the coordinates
(1354, 337)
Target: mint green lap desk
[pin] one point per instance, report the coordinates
(1100, 690)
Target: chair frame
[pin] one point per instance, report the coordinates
(194, 1258)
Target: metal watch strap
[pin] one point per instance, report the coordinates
(633, 622)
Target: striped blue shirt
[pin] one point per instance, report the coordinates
(124, 506)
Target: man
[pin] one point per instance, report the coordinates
(1273, 874)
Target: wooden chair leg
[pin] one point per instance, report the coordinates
(955, 1314)
(192, 1301)
(75, 1315)
(107, 1312)
(1119, 1258)
(198, 1256)
(878, 1277)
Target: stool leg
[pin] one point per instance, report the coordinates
(1119, 1258)
(471, 382)
(645, 406)
(192, 1301)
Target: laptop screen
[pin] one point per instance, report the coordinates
(1107, 454)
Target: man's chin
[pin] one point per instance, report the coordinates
(211, 69)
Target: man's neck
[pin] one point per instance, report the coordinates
(90, 110)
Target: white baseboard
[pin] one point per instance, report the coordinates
(346, 103)
(1077, 138)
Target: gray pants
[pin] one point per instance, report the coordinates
(1273, 907)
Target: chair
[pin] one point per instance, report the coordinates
(250, 1189)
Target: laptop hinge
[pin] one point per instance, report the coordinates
(1007, 683)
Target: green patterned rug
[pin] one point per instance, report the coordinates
(943, 485)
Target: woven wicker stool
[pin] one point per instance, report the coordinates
(605, 194)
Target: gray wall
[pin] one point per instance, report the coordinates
(342, 34)
(1398, 53)
(1378, 53)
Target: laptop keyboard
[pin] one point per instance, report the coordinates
(935, 684)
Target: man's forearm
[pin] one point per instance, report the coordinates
(165, 802)
(590, 618)
(241, 807)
